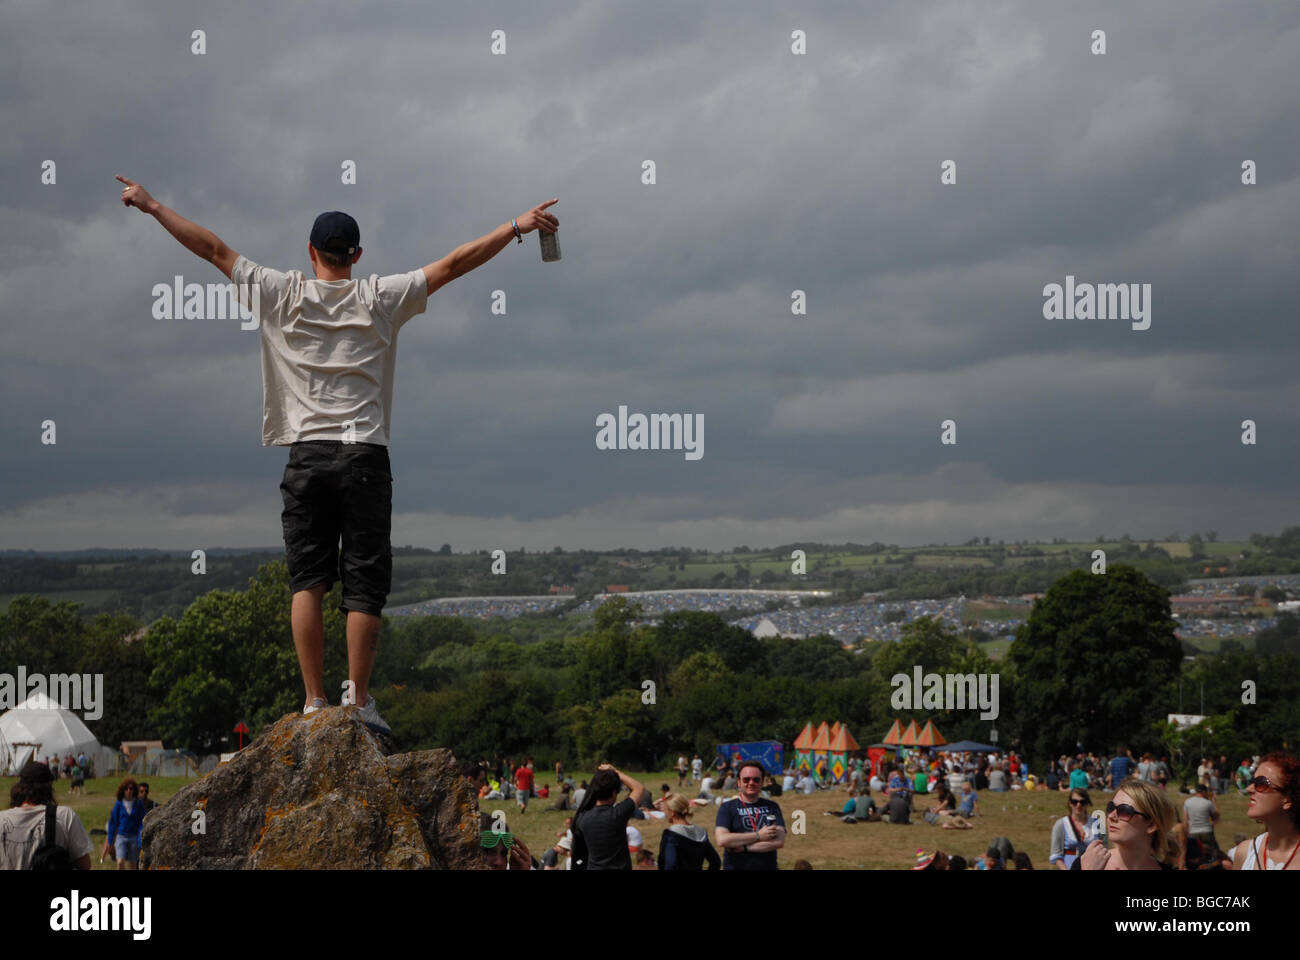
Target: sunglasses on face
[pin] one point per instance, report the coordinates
(751, 779)
(1262, 784)
(1079, 801)
(1124, 811)
(489, 840)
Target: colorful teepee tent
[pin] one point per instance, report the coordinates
(825, 750)
(895, 735)
(803, 748)
(842, 744)
(930, 736)
(910, 735)
(821, 748)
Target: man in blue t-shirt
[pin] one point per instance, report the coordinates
(749, 829)
(1121, 767)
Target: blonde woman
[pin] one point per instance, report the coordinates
(683, 845)
(1139, 821)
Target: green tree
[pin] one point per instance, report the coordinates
(1282, 638)
(621, 730)
(230, 658)
(927, 643)
(125, 666)
(44, 636)
(1094, 662)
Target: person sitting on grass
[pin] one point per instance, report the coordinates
(850, 807)
(898, 807)
(968, 801)
(865, 808)
(944, 813)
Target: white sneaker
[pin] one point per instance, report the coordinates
(369, 715)
(317, 704)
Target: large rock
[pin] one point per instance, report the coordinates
(320, 792)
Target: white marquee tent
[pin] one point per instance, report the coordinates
(38, 728)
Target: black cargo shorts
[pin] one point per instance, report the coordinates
(334, 490)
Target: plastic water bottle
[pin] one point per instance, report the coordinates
(550, 243)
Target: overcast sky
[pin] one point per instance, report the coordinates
(775, 172)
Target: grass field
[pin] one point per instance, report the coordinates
(827, 843)
(830, 844)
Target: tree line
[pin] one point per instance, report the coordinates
(1097, 664)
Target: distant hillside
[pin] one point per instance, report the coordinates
(149, 583)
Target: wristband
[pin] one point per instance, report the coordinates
(514, 222)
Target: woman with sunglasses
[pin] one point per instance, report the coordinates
(1139, 820)
(1275, 802)
(1074, 832)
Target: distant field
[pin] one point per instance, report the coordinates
(996, 649)
(978, 610)
(1213, 644)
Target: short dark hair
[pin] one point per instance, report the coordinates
(335, 261)
(751, 763)
(605, 784)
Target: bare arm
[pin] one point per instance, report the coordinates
(469, 256)
(200, 241)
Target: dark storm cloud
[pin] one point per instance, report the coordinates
(775, 173)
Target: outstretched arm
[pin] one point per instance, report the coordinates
(478, 252)
(198, 240)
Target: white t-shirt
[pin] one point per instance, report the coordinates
(329, 351)
(22, 830)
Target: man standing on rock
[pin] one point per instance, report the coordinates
(329, 350)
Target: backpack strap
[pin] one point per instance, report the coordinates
(49, 824)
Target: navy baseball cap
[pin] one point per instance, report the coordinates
(336, 232)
